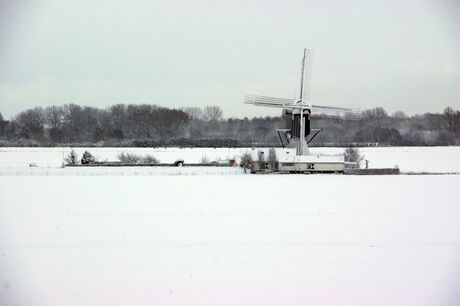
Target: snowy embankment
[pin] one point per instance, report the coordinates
(15, 161)
(122, 171)
(228, 240)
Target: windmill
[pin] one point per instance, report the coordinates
(298, 111)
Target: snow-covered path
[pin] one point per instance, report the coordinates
(230, 240)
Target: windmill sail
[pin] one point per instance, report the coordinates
(305, 77)
(338, 112)
(267, 101)
(286, 103)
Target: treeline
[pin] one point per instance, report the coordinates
(151, 125)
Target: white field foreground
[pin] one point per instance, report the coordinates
(230, 240)
(112, 240)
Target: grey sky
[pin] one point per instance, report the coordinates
(401, 55)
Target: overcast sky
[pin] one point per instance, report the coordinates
(400, 55)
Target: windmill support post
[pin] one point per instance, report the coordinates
(317, 131)
(302, 133)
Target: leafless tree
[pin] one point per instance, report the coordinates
(377, 113)
(3, 125)
(32, 123)
(451, 119)
(353, 155)
(118, 113)
(195, 113)
(399, 115)
(213, 113)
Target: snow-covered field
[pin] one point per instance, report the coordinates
(110, 240)
(15, 161)
(230, 240)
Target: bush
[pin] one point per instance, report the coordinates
(130, 158)
(246, 160)
(71, 158)
(149, 159)
(87, 158)
(354, 156)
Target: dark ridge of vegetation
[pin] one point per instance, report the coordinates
(148, 125)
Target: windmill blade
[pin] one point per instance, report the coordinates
(305, 76)
(335, 112)
(343, 116)
(333, 108)
(267, 101)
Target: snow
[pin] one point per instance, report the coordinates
(416, 159)
(123, 171)
(229, 240)
(173, 236)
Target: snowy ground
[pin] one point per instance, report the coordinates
(229, 240)
(113, 240)
(417, 159)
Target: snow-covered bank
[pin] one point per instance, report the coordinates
(122, 171)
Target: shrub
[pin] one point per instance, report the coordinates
(71, 158)
(149, 159)
(87, 158)
(246, 160)
(354, 156)
(130, 158)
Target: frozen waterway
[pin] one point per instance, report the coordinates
(229, 240)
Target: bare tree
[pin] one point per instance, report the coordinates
(213, 113)
(399, 115)
(451, 119)
(32, 123)
(377, 113)
(118, 113)
(354, 156)
(3, 125)
(73, 120)
(54, 119)
(195, 113)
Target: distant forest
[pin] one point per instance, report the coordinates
(154, 126)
